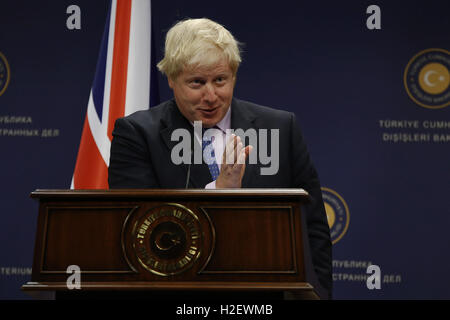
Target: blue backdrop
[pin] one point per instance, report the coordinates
(380, 140)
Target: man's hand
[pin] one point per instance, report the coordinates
(233, 163)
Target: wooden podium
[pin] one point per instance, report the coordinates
(154, 242)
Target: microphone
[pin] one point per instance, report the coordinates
(190, 162)
(188, 175)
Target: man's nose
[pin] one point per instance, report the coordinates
(210, 93)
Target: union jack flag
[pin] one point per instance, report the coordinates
(124, 82)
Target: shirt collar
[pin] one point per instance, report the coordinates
(225, 123)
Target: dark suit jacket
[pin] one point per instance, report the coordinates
(141, 158)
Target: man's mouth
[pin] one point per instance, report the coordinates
(208, 110)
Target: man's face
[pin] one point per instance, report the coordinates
(204, 93)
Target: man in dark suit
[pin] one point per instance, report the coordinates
(201, 62)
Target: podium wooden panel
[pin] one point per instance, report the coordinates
(162, 240)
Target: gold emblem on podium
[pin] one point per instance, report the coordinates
(167, 239)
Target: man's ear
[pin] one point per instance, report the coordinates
(170, 81)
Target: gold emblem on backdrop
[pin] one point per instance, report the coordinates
(5, 73)
(338, 215)
(427, 78)
(167, 239)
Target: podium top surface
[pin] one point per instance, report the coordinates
(161, 193)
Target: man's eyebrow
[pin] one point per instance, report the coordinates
(191, 78)
(195, 76)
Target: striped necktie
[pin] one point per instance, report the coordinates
(210, 157)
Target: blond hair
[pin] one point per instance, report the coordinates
(198, 42)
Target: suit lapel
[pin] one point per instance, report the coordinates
(242, 118)
(200, 175)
